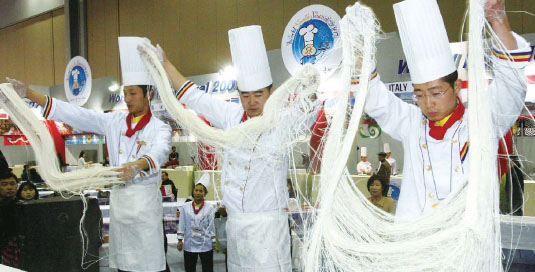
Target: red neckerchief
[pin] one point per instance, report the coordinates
(140, 125)
(438, 132)
(244, 117)
(195, 210)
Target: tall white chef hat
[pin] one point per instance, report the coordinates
(424, 39)
(204, 180)
(364, 151)
(133, 70)
(386, 147)
(249, 58)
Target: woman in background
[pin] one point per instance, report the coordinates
(196, 230)
(378, 187)
(27, 191)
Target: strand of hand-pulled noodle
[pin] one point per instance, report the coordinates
(45, 154)
(296, 90)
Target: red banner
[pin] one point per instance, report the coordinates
(15, 140)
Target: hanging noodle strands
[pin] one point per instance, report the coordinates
(45, 153)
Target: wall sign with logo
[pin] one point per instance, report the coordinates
(310, 37)
(77, 81)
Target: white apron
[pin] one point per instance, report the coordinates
(258, 242)
(136, 232)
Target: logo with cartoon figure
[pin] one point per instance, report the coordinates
(310, 37)
(77, 81)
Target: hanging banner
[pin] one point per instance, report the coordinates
(77, 81)
(15, 140)
(310, 37)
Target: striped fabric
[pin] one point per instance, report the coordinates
(515, 57)
(464, 151)
(48, 107)
(151, 163)
(356, 80)
(184, 89)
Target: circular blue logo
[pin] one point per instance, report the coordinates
(311, 42)
(77, 80)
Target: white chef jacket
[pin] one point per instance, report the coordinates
(393, 165)
(253, 183)
(136, 232)
(253, 177)
(434, 168)
(196, 230)
(364, 168)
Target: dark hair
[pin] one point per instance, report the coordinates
(29, 184)
(173, 147)
(146, 89)
(203, 187)
(81, 154)
(381, 179)
(7, 175)
(451, 78)
(166, 174)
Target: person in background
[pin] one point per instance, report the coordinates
(8, 186)
(364, 167)
(173, 159)
(30, 174)
(390, 159)
(384, 169)
(167, 182)
(514, 188)
(378, 188)
(81, 160)
(196, 230)
(27, 191)
(62, 164)
(8, 230)
(173, 156)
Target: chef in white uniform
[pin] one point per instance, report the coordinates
(364, 167)
(196, 229)
(390, 159)
(138, 143)
(434, 134)
(253, 180)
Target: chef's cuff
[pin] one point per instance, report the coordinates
(355, 80)
(49, 108)
(180, 236)
(152, 166)
(213, 239)
(522, 54)
(185, 88)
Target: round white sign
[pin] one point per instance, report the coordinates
(310, 37)
(77, 81)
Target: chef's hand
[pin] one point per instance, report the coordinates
(179, 245)
(18, 86)
(495, 10)
(158, 51)
(213, 245)
(130, 169)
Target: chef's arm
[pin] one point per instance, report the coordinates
(36, 97)
(177, 79)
